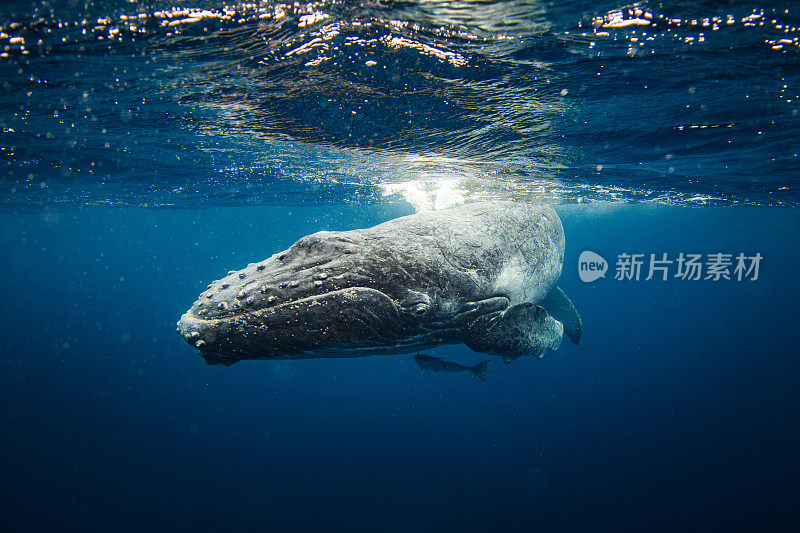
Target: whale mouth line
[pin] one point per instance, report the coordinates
(295, 327)
(310, 300)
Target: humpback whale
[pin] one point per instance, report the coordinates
(483, 274)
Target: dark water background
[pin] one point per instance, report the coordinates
(679, 410)
(136, 168)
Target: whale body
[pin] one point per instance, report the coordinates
(482, 274)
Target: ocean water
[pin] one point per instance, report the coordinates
(146, 148)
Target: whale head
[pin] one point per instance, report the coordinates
(330, 294)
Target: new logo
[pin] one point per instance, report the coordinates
(591, 266)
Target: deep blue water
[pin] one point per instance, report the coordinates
(141, 160)
(679, 410)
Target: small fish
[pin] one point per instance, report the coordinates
(437, 364)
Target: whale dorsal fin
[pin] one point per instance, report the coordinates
(560, 307)
(523, 329)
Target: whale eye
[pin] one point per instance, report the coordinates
(420, 309)
(416, 304)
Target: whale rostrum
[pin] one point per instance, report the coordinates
(482, 274)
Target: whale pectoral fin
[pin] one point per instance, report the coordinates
(560, 307)
(523, 329)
